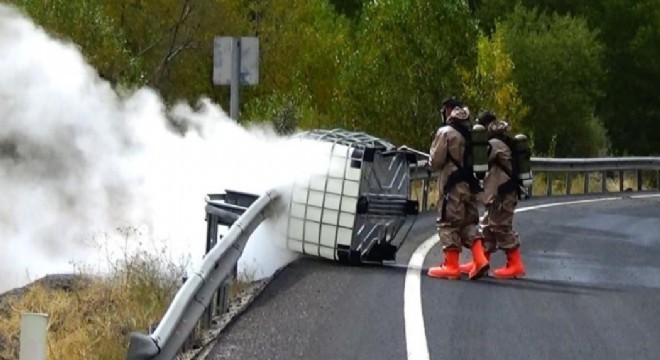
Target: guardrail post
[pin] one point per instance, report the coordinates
(425, 193)
(586, 182)
(569, 183)
(621, 173)
(639, 180)
(603, 181)
(549, 183)
(33, 338)
(657, 180)
(211, 241)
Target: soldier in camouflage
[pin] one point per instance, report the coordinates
(458, 218)
(500, 202)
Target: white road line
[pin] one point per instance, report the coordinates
(412, 304)
(644, 196)
(416, 345)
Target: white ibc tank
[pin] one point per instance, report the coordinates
(354, 211)
(322, 211)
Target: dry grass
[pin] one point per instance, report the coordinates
(559, 185)
(93, 319)
(417, 193)
(92, 316)
(243, 281)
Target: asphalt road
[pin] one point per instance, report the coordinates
(592, 291)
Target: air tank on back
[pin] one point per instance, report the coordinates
(479, 151)
(524, 154)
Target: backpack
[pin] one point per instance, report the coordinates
(518, 155)
(464, 173)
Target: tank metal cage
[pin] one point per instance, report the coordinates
(355, 213)
(358, 140)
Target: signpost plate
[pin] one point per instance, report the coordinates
(222, 57)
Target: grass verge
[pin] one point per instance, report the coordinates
(91, 315)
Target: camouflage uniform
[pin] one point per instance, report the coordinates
(458, 216)
(498, 220)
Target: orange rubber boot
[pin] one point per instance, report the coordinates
(465, 268)
(514, 266)
(481, 264)
(448, 270)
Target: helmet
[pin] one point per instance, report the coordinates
(460, 113)
(499, 126)
(451, 102)
(486, 117)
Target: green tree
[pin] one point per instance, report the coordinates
(101, 39)
(629, 32)
(631, 105)
(558, 68)
(491, 85)
(488, 12)
(174, 40)
(302, 45)
(408, 55)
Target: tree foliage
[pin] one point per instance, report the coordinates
(558, 70)
(301, 45)
(407, 56)
(631, 105)
(629, 33)
(95, 31)
(572, 74)
(491, 85)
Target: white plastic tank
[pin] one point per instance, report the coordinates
(359, 203)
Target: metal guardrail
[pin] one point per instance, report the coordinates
(562, 172)
(196, 295)
(604, 167)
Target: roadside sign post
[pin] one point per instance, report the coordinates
(33, 337)
(235, 63)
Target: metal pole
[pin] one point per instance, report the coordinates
(621, 176)
(235, 77)
(586, 182)
(640, 180)
(603, 182)
(425, 193)
(569, 183)
(549, 184)
(211, 241)
(33, 338)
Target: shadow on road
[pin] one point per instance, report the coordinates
(552, 286)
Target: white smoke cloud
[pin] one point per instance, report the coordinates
(78, 161)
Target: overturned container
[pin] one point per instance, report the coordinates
(357, 212)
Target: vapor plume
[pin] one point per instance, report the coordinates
(78, 161)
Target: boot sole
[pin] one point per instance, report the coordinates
(516, 276)
(445, 277)
(481, 272)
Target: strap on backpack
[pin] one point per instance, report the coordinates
(513, 184)
(462, 173)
